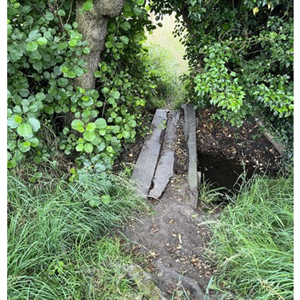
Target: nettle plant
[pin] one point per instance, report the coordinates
(49, 114)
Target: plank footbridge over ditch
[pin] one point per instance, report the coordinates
(155, 165)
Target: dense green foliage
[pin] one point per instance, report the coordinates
(57, 247)
(253, 242)
(49, 115)
(241, 57)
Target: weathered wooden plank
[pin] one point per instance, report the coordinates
(190, 132)
(146, 164)
(165, 166)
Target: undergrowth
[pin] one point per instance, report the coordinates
(166, 72)
(58, 246)
(253, 242)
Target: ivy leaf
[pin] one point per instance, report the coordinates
(25, 131)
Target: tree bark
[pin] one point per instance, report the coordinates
(93, 26)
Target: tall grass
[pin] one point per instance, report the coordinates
(57, 244)
(166, 57)
(253, 241)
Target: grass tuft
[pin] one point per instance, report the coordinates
(253, 241)
(57, 243)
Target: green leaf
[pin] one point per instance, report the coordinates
(35, 124)
(37, 65)
(34, 34)
(126, 25)
(94, 202)
(24, 92)
(49, 16)
(63, 82)
(25, 131)
(115, 95)
(140, 2)
(101, 123)
(42, 41)
(73, 42)
(91, 127)
(24, 147)
(40, 96)
(105, 199)
(77, 125)
(14, 121)
(110, 149)
(109, 44)
(89, 136)
(132, 123)
(85, 98)
(79, 147)
(31, 46)
(34, 142)
(88, 148)
(61, 13)
(70, 74)
(124, 39)
(15, 54)
(88, 5)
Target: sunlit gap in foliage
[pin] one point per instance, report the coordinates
(167, 55)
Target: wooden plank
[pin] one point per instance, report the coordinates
(165, 166)
(146, 163)
(190, 128)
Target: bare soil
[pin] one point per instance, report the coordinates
(174, 238)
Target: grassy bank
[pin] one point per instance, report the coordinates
(57, 243)
(253, 242)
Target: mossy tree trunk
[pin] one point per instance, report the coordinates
(93, 26)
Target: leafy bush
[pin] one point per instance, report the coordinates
(240, 55)
(46, 56)
(252, 243)
(165, 77)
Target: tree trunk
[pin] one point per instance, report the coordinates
(92, 25)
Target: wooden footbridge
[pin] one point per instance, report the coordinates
(155, 164)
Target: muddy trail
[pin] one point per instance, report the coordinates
(172, 240)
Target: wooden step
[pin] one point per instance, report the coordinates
(165, 166)
(146, 164)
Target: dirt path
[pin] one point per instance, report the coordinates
(174, 238)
